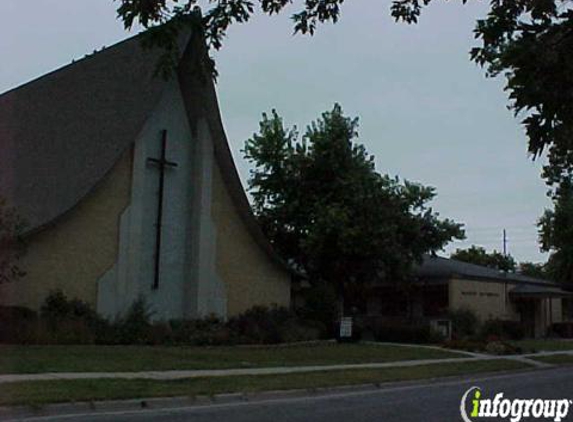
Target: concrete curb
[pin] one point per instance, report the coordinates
(166, 403)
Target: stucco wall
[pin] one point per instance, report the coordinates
(487, 299)
(250, 277)
(74, 252)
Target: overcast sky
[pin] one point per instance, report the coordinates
(426, 112)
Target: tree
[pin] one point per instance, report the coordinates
(11, 244)
(527, 41)
(327, 211)
(556, 234)
(479, 256)
(535, 270)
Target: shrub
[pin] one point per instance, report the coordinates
(56, 307)
(492, 347)
(159, 333)
(511, 330)
(259, 325)
(263, 325)
(16, 313)
(321, 305)
(405, 333)
(467, 344)
(17, 324)
(563, 329)
(135, 326)
(64, 321)
(67, 331)
(294, 331)
(501, 348)
(465, 323)
(208, 331)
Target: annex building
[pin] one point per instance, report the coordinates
(442, 284)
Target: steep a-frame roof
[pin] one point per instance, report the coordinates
(63, 132)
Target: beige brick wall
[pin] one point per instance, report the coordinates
(75, 251)
(250, 277)
(486, 299)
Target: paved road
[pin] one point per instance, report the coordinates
(428, 402)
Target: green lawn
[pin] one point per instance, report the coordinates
(38, 359)
(539, 345)
(41, 392)
(556, 359)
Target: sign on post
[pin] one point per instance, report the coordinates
(346, 327)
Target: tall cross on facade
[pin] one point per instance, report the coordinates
(162, 163)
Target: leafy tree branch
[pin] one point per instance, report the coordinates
(326, 210)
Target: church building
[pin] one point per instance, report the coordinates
(128, 189)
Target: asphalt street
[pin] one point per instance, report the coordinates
(428, 402)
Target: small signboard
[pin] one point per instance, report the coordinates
(442, 326)
(346, 327)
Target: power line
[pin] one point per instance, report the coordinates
(496, 229)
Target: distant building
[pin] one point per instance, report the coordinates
(444, 284)
(129, 189)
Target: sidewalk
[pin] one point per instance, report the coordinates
(174, 375)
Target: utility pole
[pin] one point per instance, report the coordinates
(505, 302)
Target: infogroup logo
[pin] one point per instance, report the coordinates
(474, 406)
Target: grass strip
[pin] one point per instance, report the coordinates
(555, 359)
(37, 393)
(539, 345)
(39, 359)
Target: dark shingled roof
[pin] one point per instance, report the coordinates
(533, 290)
(62, 133)
(435, 267)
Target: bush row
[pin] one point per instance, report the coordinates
(466, 328)
(397, 331)
(466, 325)
(406, 333)
(64, 321)
(492, 346)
